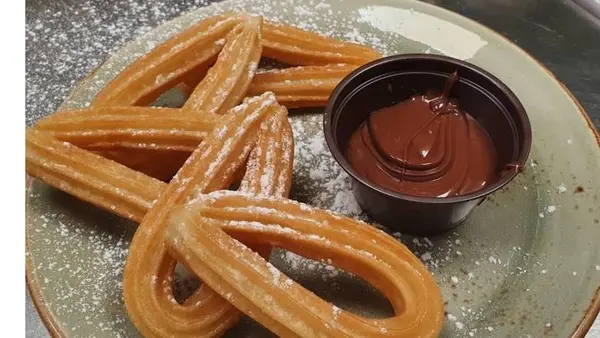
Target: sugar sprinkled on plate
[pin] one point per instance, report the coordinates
(69, 58)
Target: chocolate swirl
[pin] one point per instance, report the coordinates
(424, 146)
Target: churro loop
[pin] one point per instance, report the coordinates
(198, 235)
(90, 177)
(147, 283)
(187, 57)
(192, 50)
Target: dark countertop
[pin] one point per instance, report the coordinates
(559, 34)
(67, 39)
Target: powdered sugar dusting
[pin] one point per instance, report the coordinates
(82, 260)
(56, 62)
(80, 271)
(319, 169)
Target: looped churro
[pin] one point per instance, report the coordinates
(199, 237)
(147, 286)
(69, 168)
(193, 50)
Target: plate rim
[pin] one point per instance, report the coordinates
(50, 321)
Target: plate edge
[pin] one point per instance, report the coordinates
(33, 286)
(586, 322)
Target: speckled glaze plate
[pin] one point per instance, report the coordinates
(526, 264)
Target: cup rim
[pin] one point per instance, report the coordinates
(339, 156)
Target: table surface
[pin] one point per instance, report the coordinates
(67, 39)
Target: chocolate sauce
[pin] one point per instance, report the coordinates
(424, 146)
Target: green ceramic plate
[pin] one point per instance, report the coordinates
(526, 264)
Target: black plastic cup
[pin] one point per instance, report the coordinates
(388, 81)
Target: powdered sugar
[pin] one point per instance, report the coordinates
(59, 61)
(319, 168)
(83, 265)
(56, 62)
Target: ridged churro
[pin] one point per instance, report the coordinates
(199, 236)
(111, 128)
(269, 168)
(297, 47)
(147, 288)
(194, 49)
(90, 177)
(226, 83)
(304, 86)
(46, 159)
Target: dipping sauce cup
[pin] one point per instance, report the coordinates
(396, 194)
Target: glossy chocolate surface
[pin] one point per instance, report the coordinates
(424, 146)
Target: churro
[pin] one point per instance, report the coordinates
(304, 86)
(115, 128)
(295, 46)
(45, 153)
(199, 236)
(269, 168)
(226, 83)
(212, 166)
(193, 50)
(90, 177)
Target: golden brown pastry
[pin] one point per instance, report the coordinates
(295, 46)
(226, 83)
(207, 233)
(193, 50)
(115, 128)
(304, 86)
(147, 285)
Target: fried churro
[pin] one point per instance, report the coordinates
(297, 47)
(194, 49)
(199, 236)
(110, 128)
(226, 83)
(304, 86)
(147, 288)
